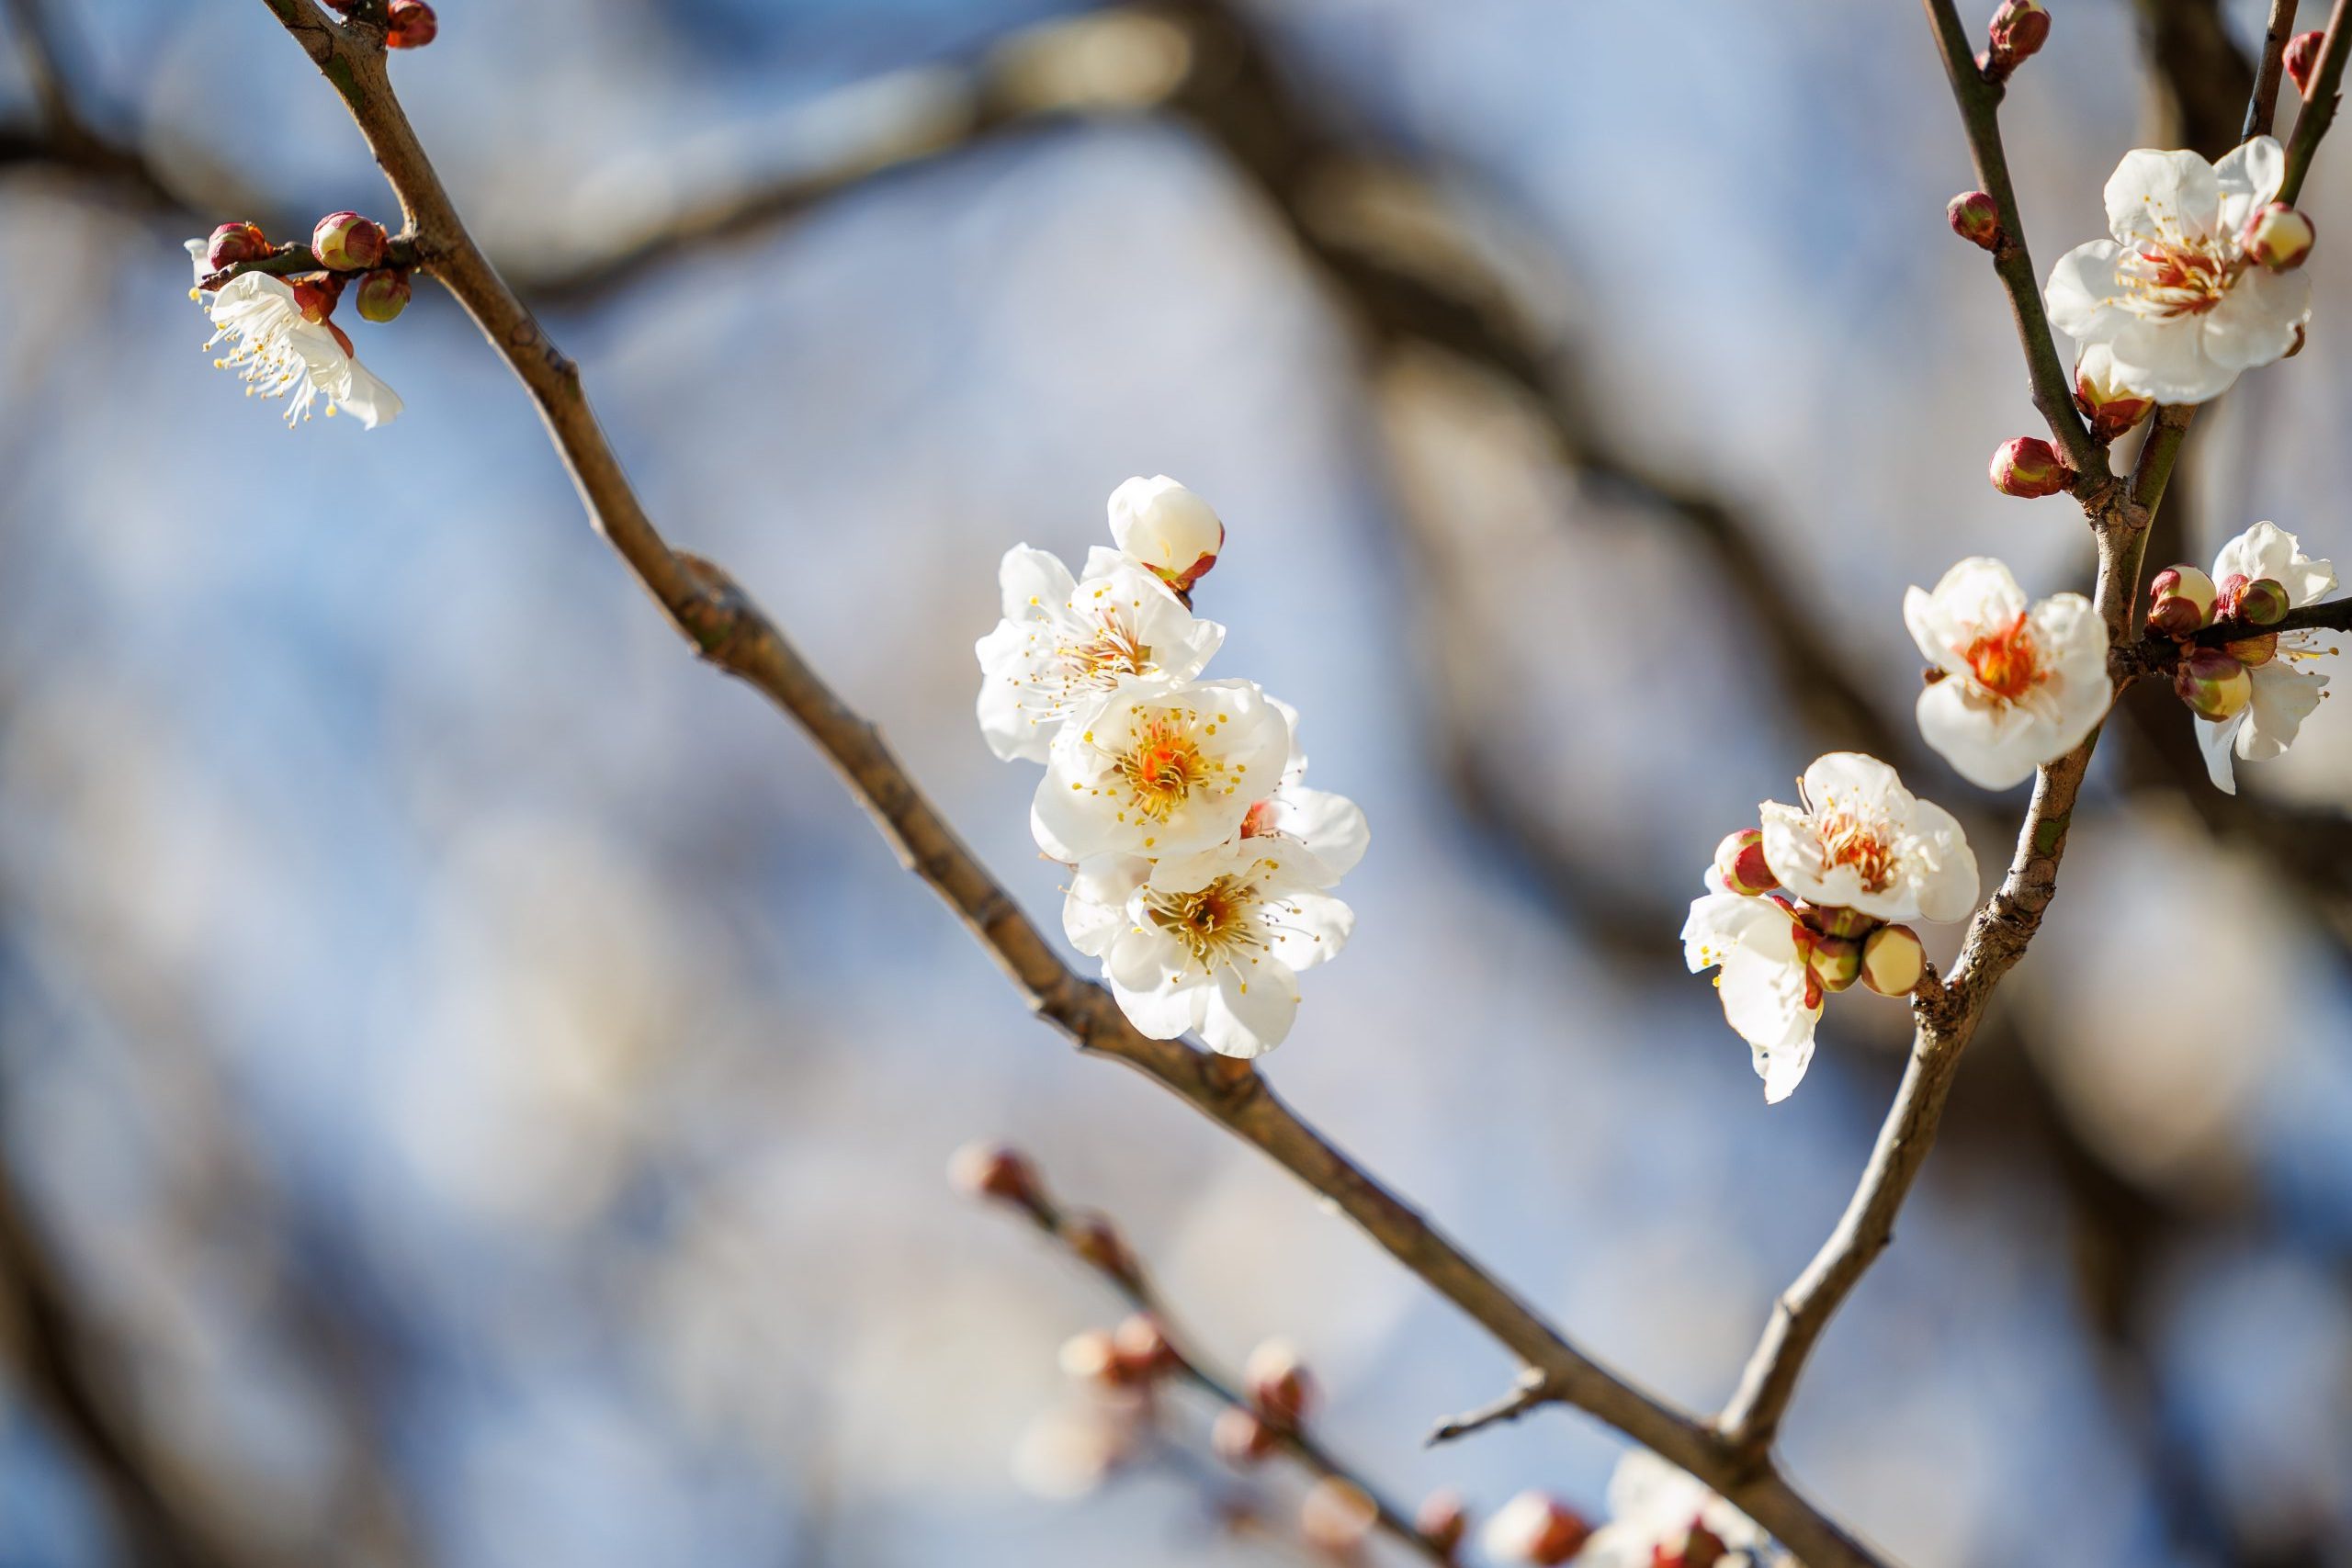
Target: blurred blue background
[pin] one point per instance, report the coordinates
(478, 1092)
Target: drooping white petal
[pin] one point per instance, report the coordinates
(2218, 743)
(1762, 984)
(2283, 697)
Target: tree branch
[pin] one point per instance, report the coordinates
(2263, 108)
(734, 634)
(2319, 105)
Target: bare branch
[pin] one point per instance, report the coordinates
(734, 634)
(2319, 105)
(2263, 107)
(1533, 1390)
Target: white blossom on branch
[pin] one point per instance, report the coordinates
(2015, 684)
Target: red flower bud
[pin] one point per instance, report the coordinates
(1442, 1519)
(1336, 1517)
(1740, 865)
(410, 24)
(2028, 467)
(1277, 1383)
(2303, 59)
(1836, 960)
(1974, 216)
(2019, 29)
(2181, 600)
(2263, 602)
(1143, 1351)
(2111, 408)
(2279, 236)
(1537, 1529)
(345, 241)
(2213, 684)
(383, 295)
(1090, 1357)
(234, 242)
(994, 1170)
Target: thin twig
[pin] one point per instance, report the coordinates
(1531, 1391)
(2319, 105)
(1094, 1242)
(733, 633)
(2264, 109)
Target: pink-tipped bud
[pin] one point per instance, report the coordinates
(1143, 1351)
(1892, 961)
(410, 24)
(1336, 1517)
(1091, 1357)
(1836, 960)
(1277, 1383)
(1442, 1519)
(2028, 467)
(2111, 407)
(1976, 217)
(345, 241)
(2303, 59)
(2263, 602)
(383, 295)
(316, 297)
(1535, 1528)
(1740, 865)
(1240, 1437)
(2019, 29)
(234, 242)
(994, 1170)
(2181, 600)
(2213, 684)
(2279, 236)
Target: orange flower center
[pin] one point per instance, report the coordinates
(1212, 922)
(2003, 661)
(1163, 766)
(2164, 280)
(1847, 840)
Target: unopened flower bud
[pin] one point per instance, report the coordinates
(2028, 467)
(2213, 684)
(2180, 599)
(316, 297)
(1976, 217)
(345, 241)
(410, 24)
(1240, 1437)
(1892, 961)
(1337, 1517)
(1836, 960)
(2263, 602)
(1168, 528)
(1142, 1350)
(2253, 653)
(2303, 59)
(2111, 408)
(1091, 1357)
(1442, 1519)
(2279, 236)
(383, 295)
(2019, 29)
(234, 242)
(1277, 1383)
(1832, 920)
(1535, 1528)
(994, 1170)
(1739, 863)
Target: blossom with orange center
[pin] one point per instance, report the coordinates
(2014, 684)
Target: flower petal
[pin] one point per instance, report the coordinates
(2162, 195)
(2081, 291)
(2249, 177)
(1252, 1010)
(2258, 320)
(2283, 697)
(2215, 741)
(2166, 361)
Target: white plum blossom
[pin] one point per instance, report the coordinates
(1160, 770)
(1767, 989)
(1166, 527)
(2283, 696)
(1332, 827)
(280, 352)
(1210, 942)
(1065, 643)
(2178, 305)
(1655, 1507)
(2021, 683)
(1861, 841)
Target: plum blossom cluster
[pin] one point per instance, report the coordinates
(1202, 865)
(1815, 901)
(280, 324)
(2250, 694)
